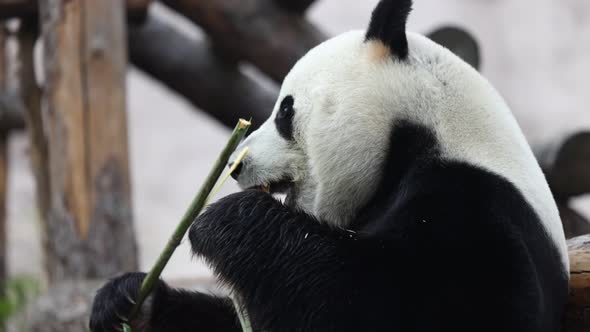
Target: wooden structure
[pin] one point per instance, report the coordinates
(78, 138)
(196, 72)
(566, 162)
(578, 313)
(256, 31)
(79, 141)
(3, 168)
(28, 9)
(88, 231)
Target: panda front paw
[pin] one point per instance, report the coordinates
(113, 304)
(228, 224)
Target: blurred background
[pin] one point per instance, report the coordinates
(100, 158)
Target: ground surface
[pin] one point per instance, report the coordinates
(535, 52)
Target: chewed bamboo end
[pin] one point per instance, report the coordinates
(243, 124)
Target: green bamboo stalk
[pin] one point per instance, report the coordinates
(242, 315)
(193, 211)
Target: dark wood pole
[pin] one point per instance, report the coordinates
(257, 31)
(3, 166)
(29, 8)
(191, 68)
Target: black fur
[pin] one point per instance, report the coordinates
(170, 309)
(388, 25)
(284, 118)
(443, 246)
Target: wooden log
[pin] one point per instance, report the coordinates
(29, 8)
(137, 6)
(566, 163)
(258, 31)
(460, 42)
(574, 223)
(195, 72)
(3, 169)
(30, 94)
(89, 226)
(137, 10)
(17, 8)
(295, 6)
(578, 310)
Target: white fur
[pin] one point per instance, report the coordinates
(345, 103)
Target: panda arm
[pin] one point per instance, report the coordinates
(182, 310)
(166, 309)
(277, 259)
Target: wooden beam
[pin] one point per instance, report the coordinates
(566, 163)
(258, 31)
(28, 8)
(296, 6)
(17, 8)
(89, 227)
(195, 72)
(138, 5)
(460, 42)
(578, 310)
(137, 10)
(574, 223)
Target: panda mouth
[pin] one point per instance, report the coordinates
(276, 187)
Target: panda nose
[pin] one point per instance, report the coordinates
(237, 171)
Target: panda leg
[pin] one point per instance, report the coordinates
(166, 309)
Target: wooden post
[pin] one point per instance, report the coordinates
(3, 166)
(89, 226)
(578, 311)
(30, 94)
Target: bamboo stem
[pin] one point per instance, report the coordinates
(242, 315)
(193, 211)
(221, 182)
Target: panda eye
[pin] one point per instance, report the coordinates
(286, 109)
(284, 118)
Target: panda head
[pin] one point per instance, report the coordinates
(327, 138)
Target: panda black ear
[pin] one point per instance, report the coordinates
(388, 25)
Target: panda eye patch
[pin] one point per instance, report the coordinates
(284, 118)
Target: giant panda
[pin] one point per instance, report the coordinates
(413, 204)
